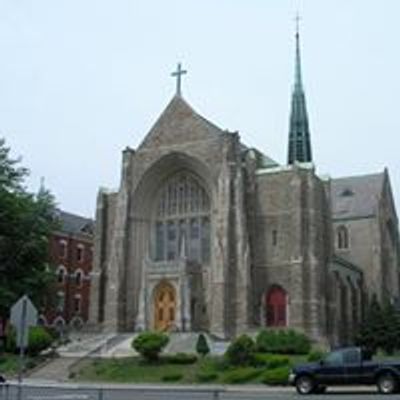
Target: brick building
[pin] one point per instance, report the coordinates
(71, 254)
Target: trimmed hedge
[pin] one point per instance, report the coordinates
(206, 376)
(277, 376)
(150, 344)
(270, 361)
(241, 351)
(282, 342)
(181, 358)
(172, 377)
(241, 375)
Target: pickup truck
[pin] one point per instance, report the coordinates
(346, 366)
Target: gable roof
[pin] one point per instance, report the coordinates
(180, 123)
(356, 196)
(74, 224)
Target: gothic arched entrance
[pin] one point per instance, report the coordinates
(164, 306)
(276, 302)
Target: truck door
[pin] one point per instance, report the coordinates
(353, 366)
(331, 369)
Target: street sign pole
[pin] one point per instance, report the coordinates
(22, 332)
(23, 315)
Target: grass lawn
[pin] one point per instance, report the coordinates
(9, 363)
(135, 370)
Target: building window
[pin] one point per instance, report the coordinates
(276, 306)
(274, 237)
(342, 238)
(182, 216)
(77, 303)
(60, 301)
(61, 273)
(80, 251)
(62, 249)
(78, 278)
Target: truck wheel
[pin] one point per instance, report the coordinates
(305, 384)
(386, 383)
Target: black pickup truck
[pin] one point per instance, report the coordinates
(347, 366)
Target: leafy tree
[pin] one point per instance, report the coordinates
(389, 339)
(26, 222)
(372, 327)
(202, 345)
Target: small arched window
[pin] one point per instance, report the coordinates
(78, 278)
(276, 307)
(61, 273)
(342, 238)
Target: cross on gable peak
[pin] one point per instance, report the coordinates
(178, 75)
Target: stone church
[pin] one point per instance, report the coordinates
(208, 234)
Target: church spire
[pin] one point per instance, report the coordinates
(299, 133)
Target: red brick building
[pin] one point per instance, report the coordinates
(71, 254)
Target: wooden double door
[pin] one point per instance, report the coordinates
(164, 306)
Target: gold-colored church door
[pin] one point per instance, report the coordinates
(164, 306)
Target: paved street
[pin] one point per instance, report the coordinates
(170, 393)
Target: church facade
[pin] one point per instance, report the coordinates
(207, 234)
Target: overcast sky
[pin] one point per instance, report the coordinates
(82, 79)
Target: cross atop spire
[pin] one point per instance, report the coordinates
(299, 134)
(178, 74)
(297, 20)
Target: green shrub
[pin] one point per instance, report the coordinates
(39, 340)
(277, 376)
(206, 376)
(202, 345)
(282, 342)
(53, 332)
(150, 344)
(172, 377)
(315, 355)
(181, 358)
(270, 361)
(240, 351)
(10, 345)
(241, 375)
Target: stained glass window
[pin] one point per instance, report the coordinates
(182, 217)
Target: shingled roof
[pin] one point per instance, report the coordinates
(356, 196)
(74, 224)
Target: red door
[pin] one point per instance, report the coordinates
(276, 307)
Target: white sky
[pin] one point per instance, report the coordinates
(82, 79)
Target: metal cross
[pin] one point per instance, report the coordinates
(297, 20)
(178, 74)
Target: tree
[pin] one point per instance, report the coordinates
(26, 222)
(202, 345)
(389, 339)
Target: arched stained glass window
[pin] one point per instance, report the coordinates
(182, 219)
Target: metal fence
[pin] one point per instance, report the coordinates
(13, 391)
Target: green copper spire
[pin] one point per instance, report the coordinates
(299, 133)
